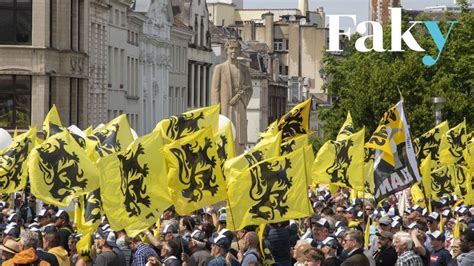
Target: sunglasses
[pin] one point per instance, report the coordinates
(369, 209)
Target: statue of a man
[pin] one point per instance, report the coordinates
(232, 88)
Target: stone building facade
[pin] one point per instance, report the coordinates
(44, 61)
(194, 14)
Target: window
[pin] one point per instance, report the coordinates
(15, 101)
(15, 21)
(278, 44)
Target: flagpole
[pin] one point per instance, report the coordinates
(306, 178)
(233, 222)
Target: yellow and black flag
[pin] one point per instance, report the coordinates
(291, 124)
(294, 144)
(52, 123)
(176, 127)
(59, 170)
(453, 144)
(341, 162)
(113, 137)
(143, 194)
(429, 142)
(273, 190)
(265, 149)
(296, 121)
(195, 178)
(347, 128)
(13, 162)
(443, 182)
(87, 211)
(395, 165)
(225, 143)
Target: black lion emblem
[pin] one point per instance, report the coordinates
(270, 186)
(338, 169)
(428, 143)
(61, 170)
(93, 206)
(441, 182)
(196, 169)
(183, 125)
(457, 143)
(107, 139)
(11, 162)
(287, 147)
(292, 124)
(133, 181)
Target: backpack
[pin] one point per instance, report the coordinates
(259, 258)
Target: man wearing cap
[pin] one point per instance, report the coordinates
(110, 254)
(329, 249)
(219, 247)
(200, 255)
(386, 254)
(64, 228)
(320, 232)
(467, 247)
(384, 224)
(439, 256)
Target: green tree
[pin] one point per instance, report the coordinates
(367, 84)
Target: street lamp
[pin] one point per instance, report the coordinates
(438, 103)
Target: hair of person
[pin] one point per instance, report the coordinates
(301, 247)
(314, 254)
(356, 235)
(173, 247)
(137, 239)
(29, 239)
(53, 238)
(405, 239)
(231, 42)
(252, 239)
(189, 223)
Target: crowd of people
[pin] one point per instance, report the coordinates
(340, 232)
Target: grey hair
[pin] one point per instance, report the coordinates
(405, 239)
(29, 239)
(356, 235)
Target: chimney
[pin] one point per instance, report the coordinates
(303, 6)
(268, 18)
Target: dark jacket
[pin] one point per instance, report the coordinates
(385, 257)
(356, 258)
(279, 243)
(332, 262)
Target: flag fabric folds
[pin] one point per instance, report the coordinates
(429, 142)
(87, 211)
(442, 182)
(52, 123)
(292, 124)
(270, 191)
(225, 143)
(294, 144)
(176, 127)
(59, 170)
(142, 195)
(13, 162)
(453, 144)
(265, 149)
(112, 137)
(195, 178)
(341, 162)
(395, 164)
(347, 128)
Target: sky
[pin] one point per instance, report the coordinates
(360, 8)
